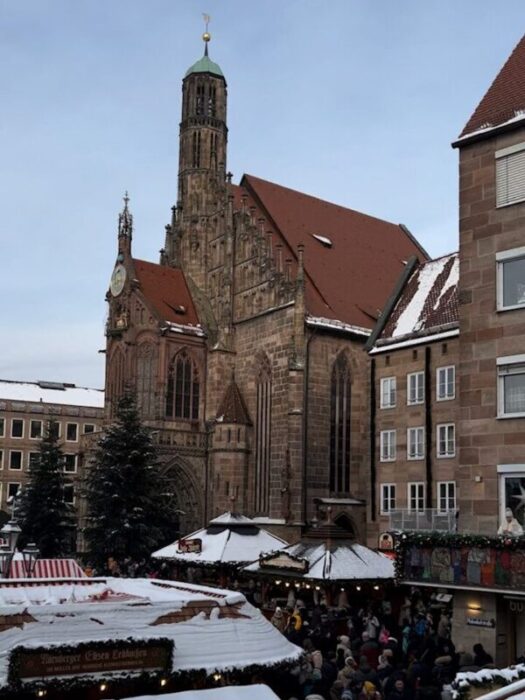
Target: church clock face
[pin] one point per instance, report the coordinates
(118, 279)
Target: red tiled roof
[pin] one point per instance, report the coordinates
(506, 95)
(428, 301)
(165, 289)
(349, 280)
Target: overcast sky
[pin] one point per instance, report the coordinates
(354, 101)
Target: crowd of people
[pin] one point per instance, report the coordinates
(380, 656)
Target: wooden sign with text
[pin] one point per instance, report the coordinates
(56, 662)
(190, 545)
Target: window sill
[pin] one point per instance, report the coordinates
(510, 204)
(509, 416)
(385, 408)
(383, 461)
(445, 398)
(415, 403)
(415, 459)
(515, 307)
(446, 456)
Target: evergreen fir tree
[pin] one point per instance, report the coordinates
(130, 511)
(45, 517)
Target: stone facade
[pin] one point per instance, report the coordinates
(491, 446)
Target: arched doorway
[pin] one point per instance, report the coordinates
(188, 494)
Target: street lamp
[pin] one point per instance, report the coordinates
(6, 556)
(30, 555)
(10, 534)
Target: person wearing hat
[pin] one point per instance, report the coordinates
(279, 619)
(510, 527)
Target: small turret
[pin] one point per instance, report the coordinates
(125, 228)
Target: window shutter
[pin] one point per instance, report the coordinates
(510, 178)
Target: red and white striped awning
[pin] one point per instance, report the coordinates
(48, 568)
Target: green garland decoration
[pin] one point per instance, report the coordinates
(452, 540)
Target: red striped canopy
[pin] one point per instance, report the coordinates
(48, 568)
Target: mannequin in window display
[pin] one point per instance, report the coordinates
(510, 527)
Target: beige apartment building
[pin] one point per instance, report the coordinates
(25, 407)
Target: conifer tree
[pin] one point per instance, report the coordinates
(130, 511)
(45, 517)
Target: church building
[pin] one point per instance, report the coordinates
(245, 343)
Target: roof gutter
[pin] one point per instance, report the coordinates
(392, 301)
(489, 132)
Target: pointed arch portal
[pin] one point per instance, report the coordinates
(188, 494)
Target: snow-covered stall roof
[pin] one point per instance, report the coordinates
(51, 392)
(500, 683)
(229, 539)
(212, 629)
(336, 562)
(231, 692)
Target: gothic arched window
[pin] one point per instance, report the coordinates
(211, 101)
(263, 427)
(196, 149)
(340, 406)
(183, 393)
(146, 374)
(199, 101)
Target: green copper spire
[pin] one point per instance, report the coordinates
(204, 65)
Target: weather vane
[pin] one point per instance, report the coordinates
(206, 36)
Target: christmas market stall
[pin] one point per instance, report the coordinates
(228, 543)
(325, 566)
(231, 692)
(114, 637)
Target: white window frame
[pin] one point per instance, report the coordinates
(29, 457)
(18, 484)
(39, 437)
(502, 257)
(446, 497)
(76, 432)
(89, 432)
(418, 496)
(2, 451)
(73, 500)
(2, 426)
(502, 158)
(389, 443)
(18, 437)
(507, 361)
(388, 498)
(419, 378)
(390, 392)
(417, 456)
(447, 454)
(21, 452)
(71, 471)
(516, 471)
(446, 370)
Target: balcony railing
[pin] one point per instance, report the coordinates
(421, 520)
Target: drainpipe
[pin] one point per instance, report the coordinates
(373, 440)
(428, 426)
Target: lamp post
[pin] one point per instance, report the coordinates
(10, 534)
(30, 554)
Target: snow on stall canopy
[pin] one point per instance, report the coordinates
(336, 562)
(51, 392)
(229, 539)
(507, 682)
(232, 692)
(213, 629)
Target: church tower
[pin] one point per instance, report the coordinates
(202, 170)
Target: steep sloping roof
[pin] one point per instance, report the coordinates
(52, 393)
(232, 408)
(428, 302)
(166, 290)
(352, 260)
(505, 99)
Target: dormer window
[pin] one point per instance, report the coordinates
(323, 240)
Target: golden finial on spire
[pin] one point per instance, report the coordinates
(206, 37)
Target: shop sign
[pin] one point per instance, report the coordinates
(478, 622)
(190, 545)
(517, 606)
(284, 561)
(118, 657)
(386, 541)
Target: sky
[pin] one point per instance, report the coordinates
(353, 101)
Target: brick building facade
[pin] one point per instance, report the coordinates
(244, 344)
(25, 408)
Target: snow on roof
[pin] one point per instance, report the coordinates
(321, 322)
(511, 679)
(213, 629)
(51, 392)
(340, 562)
(230, 539)
(235, 692)
(428, 301)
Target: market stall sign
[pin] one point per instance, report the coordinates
(92, 658)
(477, 622)
(190, 546)
(285, 561)
(386, 541)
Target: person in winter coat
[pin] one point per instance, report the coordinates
(279, 620)
(399, 691)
